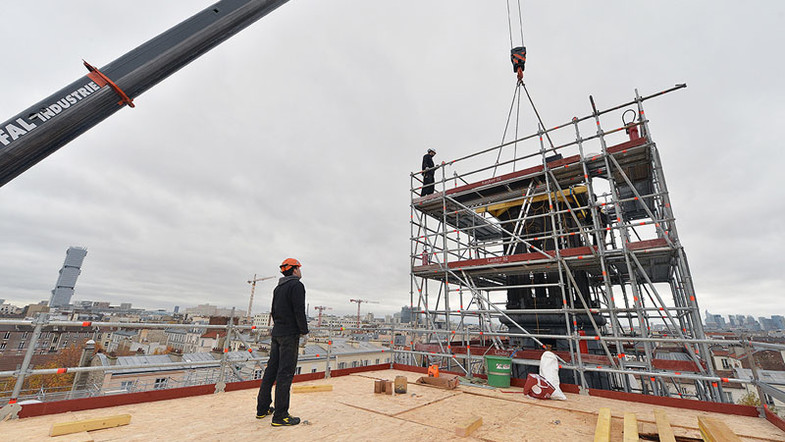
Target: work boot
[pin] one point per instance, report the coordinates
(270, 410)
(287, 421)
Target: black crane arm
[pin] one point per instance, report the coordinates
(35, 133)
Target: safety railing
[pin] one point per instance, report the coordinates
(463, 339)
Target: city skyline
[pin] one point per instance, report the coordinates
(316, 166)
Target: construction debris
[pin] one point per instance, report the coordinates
(89, 425)
(448, 382)
(311, 388)
(468, 426)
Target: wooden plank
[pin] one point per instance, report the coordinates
(89, 424)
(664, 426)
(713, 430)
(630, 428)
(468, 426)
(602, 433)
(311, 388)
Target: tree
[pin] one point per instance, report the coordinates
(749, 399)
(67, 357)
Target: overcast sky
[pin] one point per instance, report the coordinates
(296, 138)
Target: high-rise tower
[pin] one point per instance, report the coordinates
(72, 267)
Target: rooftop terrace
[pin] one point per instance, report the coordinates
(352, 411)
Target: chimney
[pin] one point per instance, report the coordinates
(80, 380)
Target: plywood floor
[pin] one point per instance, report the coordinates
(352, 412)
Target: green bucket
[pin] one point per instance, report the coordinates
(498, 368)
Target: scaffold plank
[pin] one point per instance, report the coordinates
(602, 433)
(62, 428)
(630, 427)
(713, 430)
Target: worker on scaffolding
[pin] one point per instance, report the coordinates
(288, 313)
(428, 171)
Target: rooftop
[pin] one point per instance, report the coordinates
(351, 411)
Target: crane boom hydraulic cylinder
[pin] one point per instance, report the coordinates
(40, 130)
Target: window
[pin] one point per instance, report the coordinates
(160, 383)
(377, 362)
(7, 335)
(257, 374)
(21, 345)
(2, 345)
(354, 364)
(127, 385)
(341, 365)
(297, 370)
(725, 364)
(313, 370)
(24, 335)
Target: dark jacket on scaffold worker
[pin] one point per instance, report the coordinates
(288, 312)
(428, 173)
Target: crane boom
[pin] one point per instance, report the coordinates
(45, 127)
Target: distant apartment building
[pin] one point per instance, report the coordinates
(9, 309)
(263, 320)
(212, 310)
(184, 340)
(15, 339)
(72, 267)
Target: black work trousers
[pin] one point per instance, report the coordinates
(427, 181)
(280, 370)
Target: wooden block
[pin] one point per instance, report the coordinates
(378, 386)
(400, 384)
(467, 426)
(602, 433)
(664, 426)
(713, 430)
(90, 424)
(388, 387)
(630, 428)
(311, 388)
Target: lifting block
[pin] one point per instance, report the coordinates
(602, 433)
(630, 428)
(664, 426)
(713, 430)
(311, 388)
(400, 384)
(89, 424)
(467, 426)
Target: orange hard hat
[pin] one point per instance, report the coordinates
(288, 263)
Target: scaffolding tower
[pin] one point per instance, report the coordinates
(562, 240)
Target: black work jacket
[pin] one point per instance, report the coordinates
(427, 163)
(288, 310)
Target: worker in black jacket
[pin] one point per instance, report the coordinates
(288, 312)
(428, 172)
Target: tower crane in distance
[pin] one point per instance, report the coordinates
(359, 302)
(321, 308)
(253, 288)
